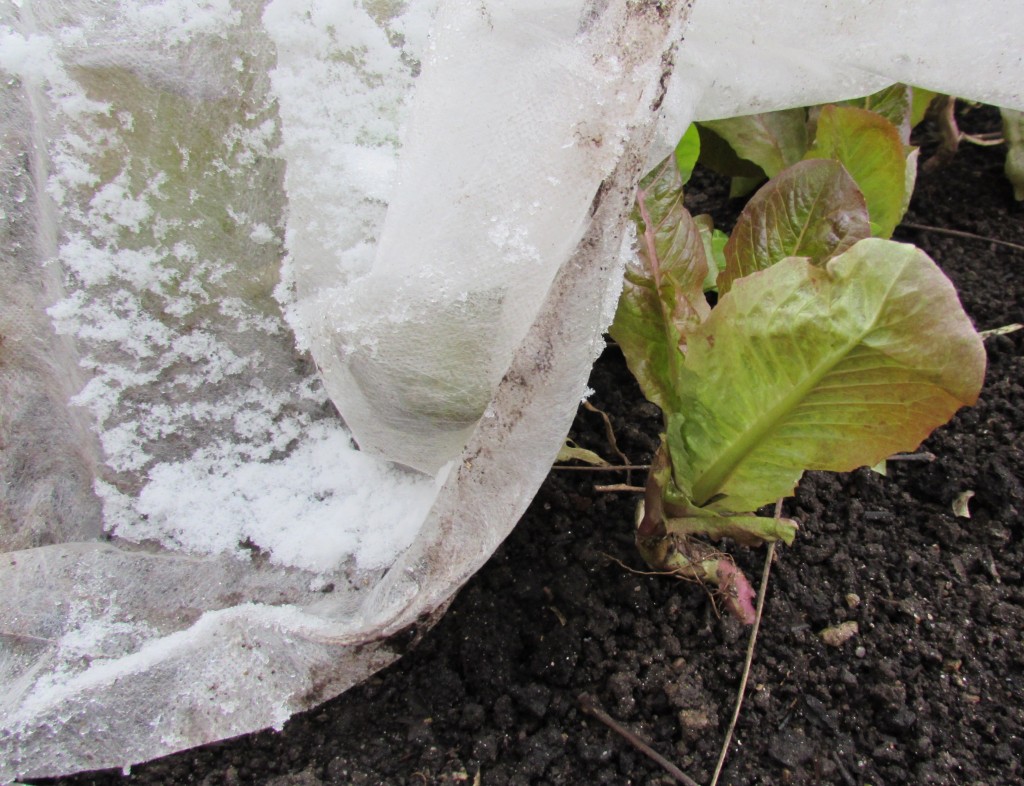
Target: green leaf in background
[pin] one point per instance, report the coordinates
(663, 299)
(772, 140)
(1013, 133)
(716, 154)
(870, 149)
(921, 99)
(740, 186)
(805, 367)
(909, 177)
(687, 152)
(812, 209)
(714, 249)
(894, 103)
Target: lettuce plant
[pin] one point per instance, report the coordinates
(830, 347)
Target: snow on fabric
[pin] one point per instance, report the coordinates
(226, 222)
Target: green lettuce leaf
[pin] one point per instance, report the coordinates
(812, 209)
(870, 149)
(895, 103)
(687, 152)
(714, 249)
(747, 530)
(807, 367)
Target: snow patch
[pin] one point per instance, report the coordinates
(318, 507)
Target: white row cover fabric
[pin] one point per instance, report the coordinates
(227, 223)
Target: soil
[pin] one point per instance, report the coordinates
(930, 690)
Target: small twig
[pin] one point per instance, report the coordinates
(922, 456)
(26, 637)
(847, 777)
(1013, 327)
(761, 592)
(991, 139)
(590, 707)
(621, 487)
(961, 234)
(619, 468)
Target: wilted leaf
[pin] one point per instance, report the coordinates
(870, 148)
(803, 367)
(812, 209)
(663, 296)
(1013, 133)
(570, 451)
(772, 140)
(961, 505)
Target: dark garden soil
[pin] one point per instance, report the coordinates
(929, 691)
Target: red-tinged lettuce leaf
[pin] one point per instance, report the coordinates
(662, 299)
(806, 367)
(1013, 133)
(870, 149)
(772, 140)
(662, 191)
(812, 209)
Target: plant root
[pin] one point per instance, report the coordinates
(609, 432)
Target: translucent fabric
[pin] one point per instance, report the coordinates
(299, 300)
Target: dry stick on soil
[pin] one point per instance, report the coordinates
(620, 468)
(922, 456)
(621, 487)
(961, 234)
(589, 707)
(750, 652)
